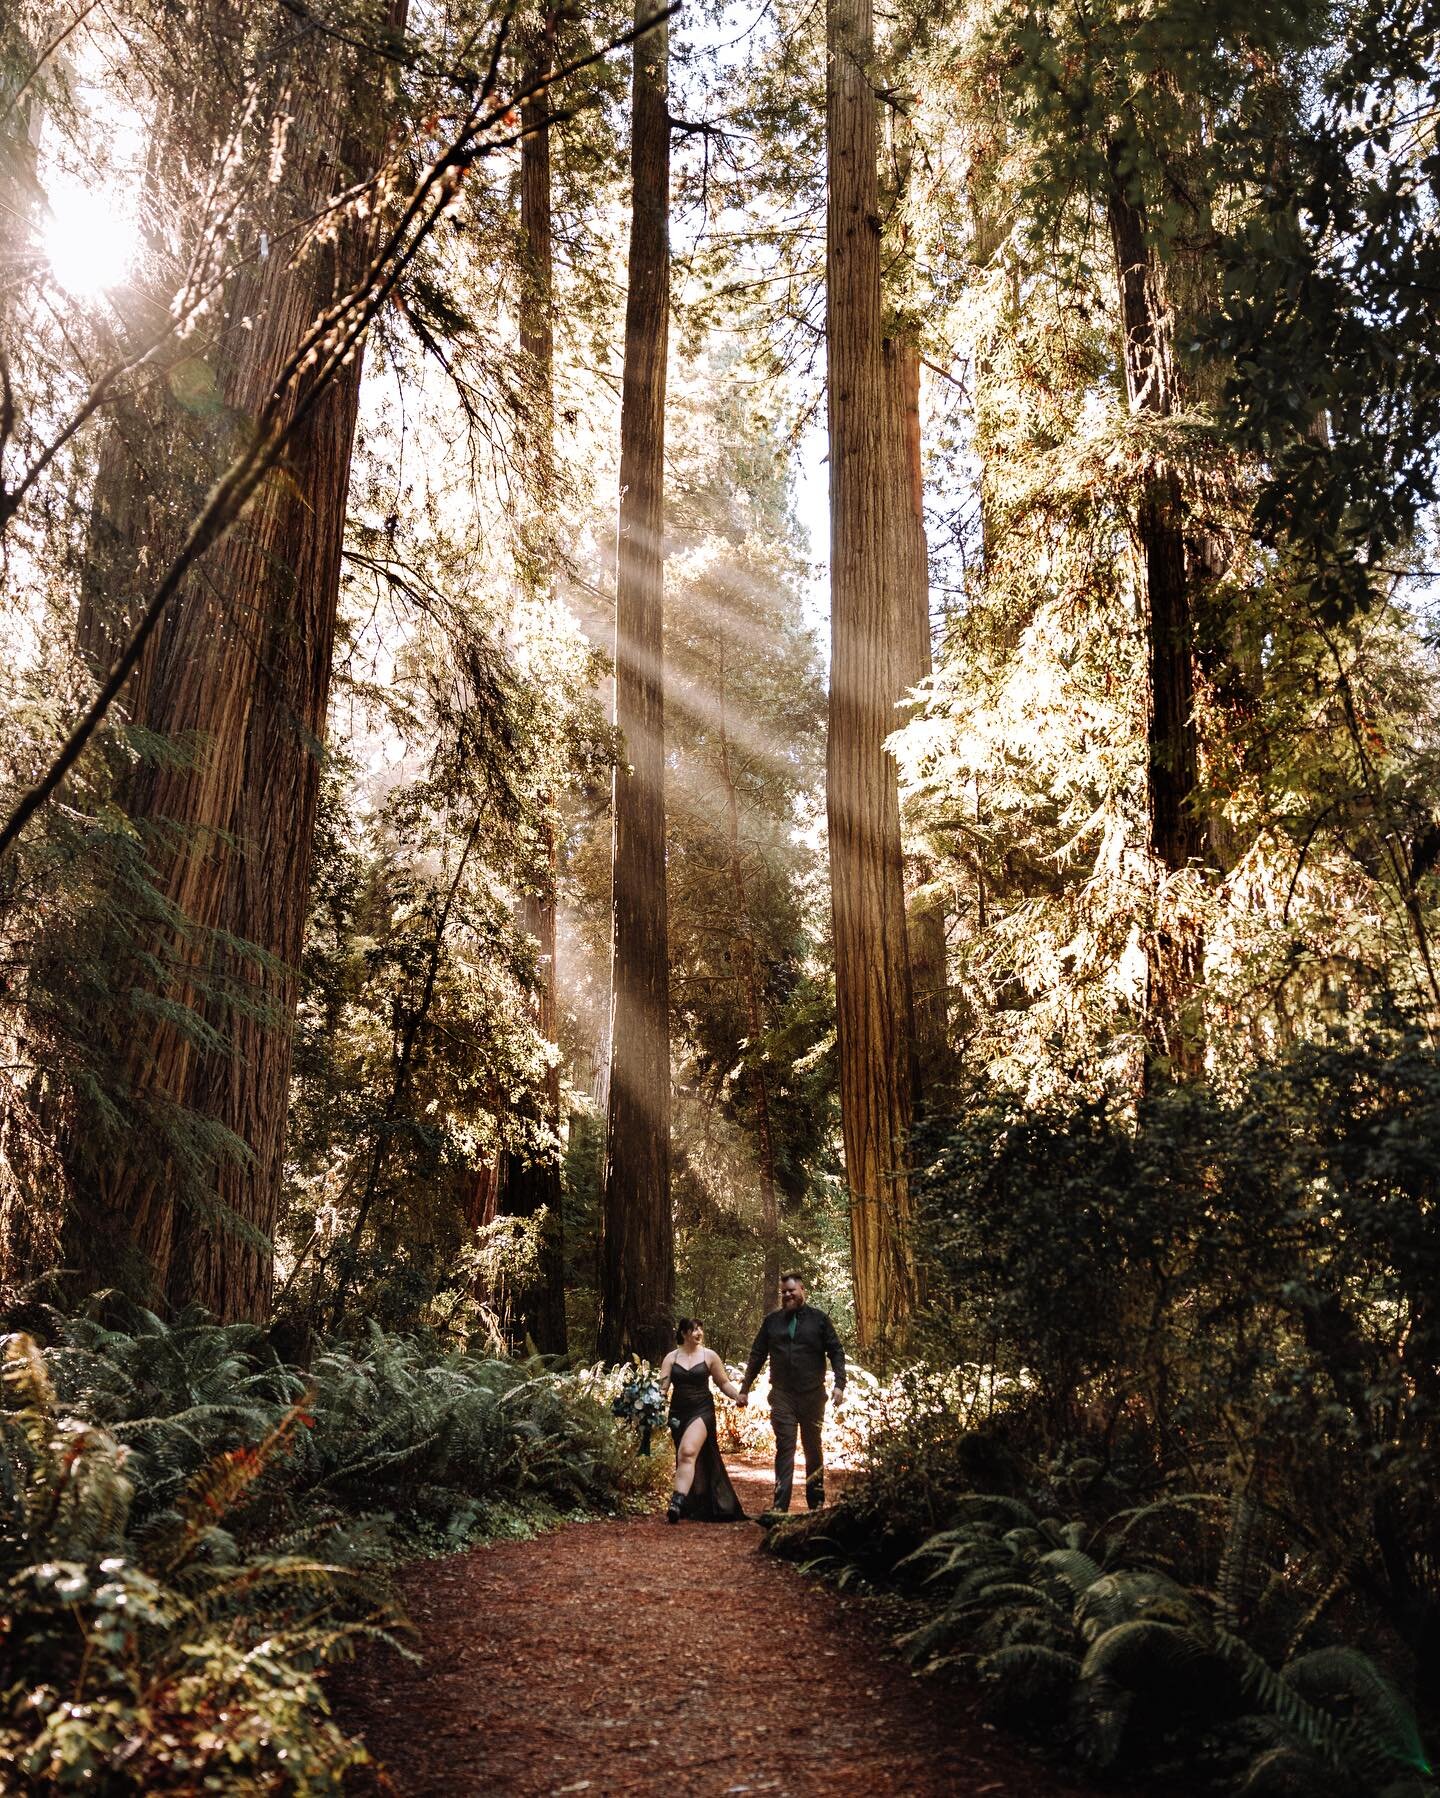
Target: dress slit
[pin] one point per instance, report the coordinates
(711, 1498)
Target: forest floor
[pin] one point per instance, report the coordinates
(629, 1656)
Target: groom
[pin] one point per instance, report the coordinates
(797, 1340)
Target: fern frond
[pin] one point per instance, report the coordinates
(1381, 1723)
(993, 1507)
(1133, 1593)
(1030, 1662)
(1287, 1771)
(937, 1547)
(1142, 1654)
(1196, 1504)
(1078, 1571)
(1232, 1583)
(1312, 1728)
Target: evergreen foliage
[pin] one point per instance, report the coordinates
(1168, 273)
(1210, 1324)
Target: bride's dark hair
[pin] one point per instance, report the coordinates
(685, 1326)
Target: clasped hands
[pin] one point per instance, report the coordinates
(742, 1397)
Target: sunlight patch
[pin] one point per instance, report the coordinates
(89, 241)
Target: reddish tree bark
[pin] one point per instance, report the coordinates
(535, 1187)
(241, 669)
(872, 962)
(747, 966)
(638, 1238)
(537, 1309)
(914, 661)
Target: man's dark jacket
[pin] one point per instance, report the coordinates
(798, 1366)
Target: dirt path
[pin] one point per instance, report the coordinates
(632, 1657)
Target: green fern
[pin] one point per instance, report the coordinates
(212, 1526)
(1381, 1731)
(1031, 1665)
(992, 1507)
(952, 1549)
(1071, 1566)
(1133, 1593)
(1143, 1655)
(1029, 1683)
(1243, 1575)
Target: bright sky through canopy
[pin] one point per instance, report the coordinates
(89, 240)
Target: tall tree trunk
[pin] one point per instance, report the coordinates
(872, 962)
(747, 964)
(241, 669)
(638, 1248)
(1175, 948)
(534, 1188)
(914, 661)
(244, 1085)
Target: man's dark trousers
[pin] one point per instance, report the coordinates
(805, 1412)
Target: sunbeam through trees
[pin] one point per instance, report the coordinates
(770, 662)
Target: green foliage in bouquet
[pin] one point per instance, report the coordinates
(640, 1402)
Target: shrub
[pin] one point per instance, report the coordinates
(1216, 1341)
(1124, 1663)
(157, 1656)
(1238, 1288)
(190, 1530)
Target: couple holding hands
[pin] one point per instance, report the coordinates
(797, 1341)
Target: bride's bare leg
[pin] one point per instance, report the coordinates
(690, 1445)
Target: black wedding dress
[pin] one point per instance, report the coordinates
(711, 1498)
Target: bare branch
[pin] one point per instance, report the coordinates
(44, 57)
(316, 360)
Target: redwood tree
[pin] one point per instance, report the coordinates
(241, 669)
(638, 1250)
(872, 962)
(913, 664)
(531, 1188)
(1175, 949)
(745, 955)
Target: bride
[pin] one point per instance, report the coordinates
(702, 1486)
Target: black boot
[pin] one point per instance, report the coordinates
(677, 1507)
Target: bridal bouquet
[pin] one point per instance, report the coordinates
(642, 1401)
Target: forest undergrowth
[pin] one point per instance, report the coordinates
(450, 893)
(193, 1529)
(1188, 1530)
